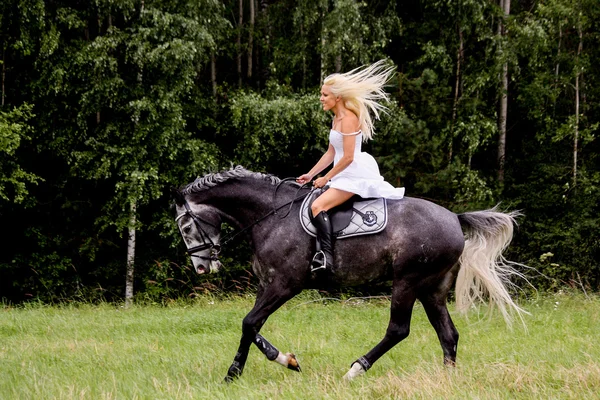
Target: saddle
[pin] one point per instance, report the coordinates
(355, 217)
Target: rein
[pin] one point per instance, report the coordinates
(230, 237)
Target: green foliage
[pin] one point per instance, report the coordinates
(274, 130)
(104, 104)
(14, 128)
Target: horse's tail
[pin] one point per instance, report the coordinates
(484, 271)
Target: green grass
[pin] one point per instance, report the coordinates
(182, 351)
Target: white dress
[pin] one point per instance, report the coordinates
(362, 176)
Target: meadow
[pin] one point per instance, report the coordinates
(181, 350)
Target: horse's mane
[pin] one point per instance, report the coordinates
(212, 180)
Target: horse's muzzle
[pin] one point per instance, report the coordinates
(201, 269)
(212, 267)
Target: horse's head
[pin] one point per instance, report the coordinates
(200, 227)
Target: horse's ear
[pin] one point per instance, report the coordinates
(177, 195)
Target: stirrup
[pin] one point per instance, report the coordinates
(318, 258)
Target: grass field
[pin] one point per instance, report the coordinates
(183, 350)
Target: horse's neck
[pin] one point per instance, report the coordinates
(243, 204)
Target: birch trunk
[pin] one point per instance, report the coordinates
(213, 73)
(503, 106)
(459, 56)
(3, 71)
(338, 63)
(130, 254)
(323, 46)
(556, 69)
(303, 55)
(250, 39)
(577, 95)
(265, 51)
(239, 41)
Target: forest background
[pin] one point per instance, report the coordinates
(106, 104)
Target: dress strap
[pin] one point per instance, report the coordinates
(348, 134)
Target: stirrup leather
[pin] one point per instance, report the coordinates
(320, 260)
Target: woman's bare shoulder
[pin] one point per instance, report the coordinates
(349, 124)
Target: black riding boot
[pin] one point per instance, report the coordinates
(324, 256)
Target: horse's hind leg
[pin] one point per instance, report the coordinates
(403, 300)
(434, 302)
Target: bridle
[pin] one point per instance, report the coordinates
(215, 248)
(207, 243)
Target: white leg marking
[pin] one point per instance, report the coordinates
(282, 359)
(355, 371)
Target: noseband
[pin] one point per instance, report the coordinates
(207, 243)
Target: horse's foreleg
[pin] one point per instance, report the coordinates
(403, 300)
(287, 360)
(267, 302)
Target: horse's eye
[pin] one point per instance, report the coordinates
(187, 229)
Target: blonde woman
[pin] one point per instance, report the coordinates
(352, 97)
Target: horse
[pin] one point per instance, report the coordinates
(422, 251)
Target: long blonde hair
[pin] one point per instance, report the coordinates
(361, 90)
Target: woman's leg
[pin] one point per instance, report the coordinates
(329, 199)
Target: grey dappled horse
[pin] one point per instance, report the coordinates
(423, 251)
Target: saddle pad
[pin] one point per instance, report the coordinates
(368, 216)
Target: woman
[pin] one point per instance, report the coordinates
(351, 97)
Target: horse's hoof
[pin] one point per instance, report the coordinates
(355, 370)
(450, 363)
(293, 362)
(233, 373)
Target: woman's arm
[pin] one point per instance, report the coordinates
(347, 158)
(323, 163)
(349, 144)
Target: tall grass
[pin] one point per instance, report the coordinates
(183, 350)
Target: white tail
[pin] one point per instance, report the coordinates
(484, 272)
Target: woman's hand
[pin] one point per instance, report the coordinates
(304, 179)
(320, 182)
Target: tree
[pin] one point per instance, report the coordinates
(136, 74)
(14, 129)
(503, 101)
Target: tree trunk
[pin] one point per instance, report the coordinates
(3, 72)
(503, 107)
(250, 39)
(556, 69)
(323, 46)
(577, 94)
(502, 115)
(303, 54)
(265, 51)
(338, 63)
(213, 72)
(459, 56)
(130, 254)
(239, 41)
(558, 54)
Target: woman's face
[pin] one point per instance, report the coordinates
(328, 100)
